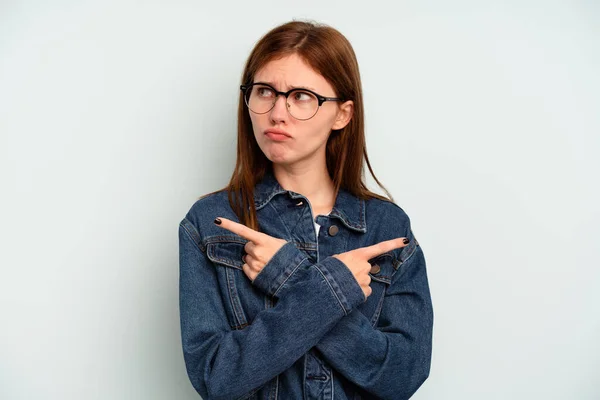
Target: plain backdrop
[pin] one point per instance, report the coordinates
(482, 119)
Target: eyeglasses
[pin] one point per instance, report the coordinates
(302, 104)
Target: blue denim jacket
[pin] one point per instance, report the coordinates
(303, 329)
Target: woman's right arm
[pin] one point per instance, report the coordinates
(231, 364)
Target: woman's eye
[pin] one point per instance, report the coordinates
(265, 92)
(302, 96)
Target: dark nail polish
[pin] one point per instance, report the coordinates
(406, 241)
(218, 221)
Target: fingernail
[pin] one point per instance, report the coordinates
(406, 241)
(218, 221)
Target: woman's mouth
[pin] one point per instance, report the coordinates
(277, 135)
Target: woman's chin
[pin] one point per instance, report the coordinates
(279, 160)
(280, 157)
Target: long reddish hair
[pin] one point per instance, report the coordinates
(330, 54)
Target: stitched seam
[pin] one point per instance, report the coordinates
(224, 239)
(332, 289)
(281, 219)
(189, 234)
(381, 278)
(269, 197)
(304, 380)
(235, 314)
(226, 261)
(217, 239)
(378, 310)
(233, 305)
(410, 255)
(290, 275)
(332, 385)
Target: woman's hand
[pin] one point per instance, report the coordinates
(262, 247)
(357, 260)
(259, 249)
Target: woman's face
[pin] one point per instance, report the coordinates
(307, 139)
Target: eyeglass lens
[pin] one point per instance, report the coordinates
(301, 104)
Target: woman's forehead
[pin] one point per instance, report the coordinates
(290, 71)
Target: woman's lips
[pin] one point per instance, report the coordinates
(273, 135)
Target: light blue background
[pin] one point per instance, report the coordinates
(482, 120)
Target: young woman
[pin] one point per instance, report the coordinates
(296, 281)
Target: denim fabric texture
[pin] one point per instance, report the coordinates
(303, 329)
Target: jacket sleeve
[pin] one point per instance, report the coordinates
(392, 360)
(232, 364)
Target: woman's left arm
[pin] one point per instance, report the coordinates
(391, 360)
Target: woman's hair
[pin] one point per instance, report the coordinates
(330, 54)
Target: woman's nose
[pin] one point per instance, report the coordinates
(279, 110)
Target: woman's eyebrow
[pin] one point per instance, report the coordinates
(291, 86)
(303, 87)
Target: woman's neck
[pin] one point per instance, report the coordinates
(313, 183)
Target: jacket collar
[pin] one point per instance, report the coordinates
(348, 208)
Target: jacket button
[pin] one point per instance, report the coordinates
(375, 269)
(333, 230)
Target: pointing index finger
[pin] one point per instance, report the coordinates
(382, 247)
(240, 229)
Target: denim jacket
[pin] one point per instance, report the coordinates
(303, 329)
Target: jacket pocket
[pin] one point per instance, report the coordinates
(382, 270)
(242, 300)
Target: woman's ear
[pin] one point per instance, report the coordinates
(344, 115)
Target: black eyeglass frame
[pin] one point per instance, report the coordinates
(321, 99)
